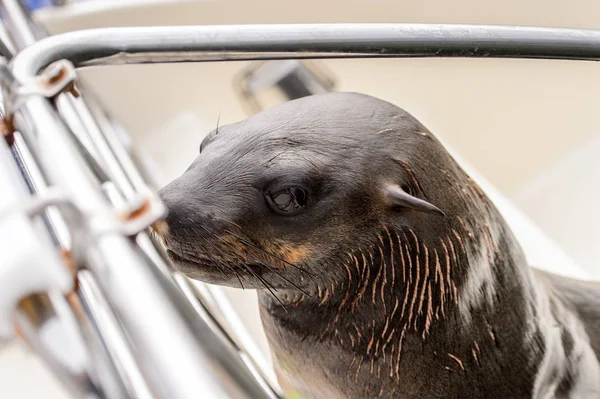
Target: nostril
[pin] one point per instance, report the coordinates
(187, 216)
(178, 218)
(174, 208)
(171, 219)
(181, 218)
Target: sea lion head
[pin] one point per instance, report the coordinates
(287, 197)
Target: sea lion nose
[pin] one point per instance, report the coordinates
(188, 217)
(178, 207)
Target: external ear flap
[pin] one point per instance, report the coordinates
(396, 196)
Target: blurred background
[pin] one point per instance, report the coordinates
(528, 131)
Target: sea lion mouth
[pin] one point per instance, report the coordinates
(177, 258)
(205, 263)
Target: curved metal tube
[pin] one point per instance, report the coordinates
(15, 15)
(54, 328)
(66, 168)
(111, 46)
(88, 123)
(132, 288)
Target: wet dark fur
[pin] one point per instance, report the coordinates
(360, 298)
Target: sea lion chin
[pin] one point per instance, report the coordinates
(382, 268)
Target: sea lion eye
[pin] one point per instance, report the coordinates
(287, 201)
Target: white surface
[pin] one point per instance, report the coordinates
(23, 376)
(540, 250)
(565, 201)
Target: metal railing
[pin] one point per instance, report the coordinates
(76, 208)
(167, 338)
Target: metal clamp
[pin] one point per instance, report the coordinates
(28, 265)
(58, 77)
(143, 215)
(138, 217)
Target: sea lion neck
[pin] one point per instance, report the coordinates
(411, 307)
(411, 281)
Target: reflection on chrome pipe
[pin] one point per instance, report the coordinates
(36, 183)
(12, 10)
(92, 135)
(21, 28)
(111, 46)
(48, 325)
(24, 31)
(217, 306)
(87, 131)
(7, 48)
(94, 304)
(148, 306)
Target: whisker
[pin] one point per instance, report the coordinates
(246, 242)
(218, 120)
(271, 289)
(274, 270)
(236, 255)
(228, 222)
(220, 265)
(264, 282)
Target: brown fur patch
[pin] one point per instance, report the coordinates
(161, 228)
(294, 254)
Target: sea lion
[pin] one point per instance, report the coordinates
(382, 269)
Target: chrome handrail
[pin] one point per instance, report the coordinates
(152, 370)
(167, 340)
